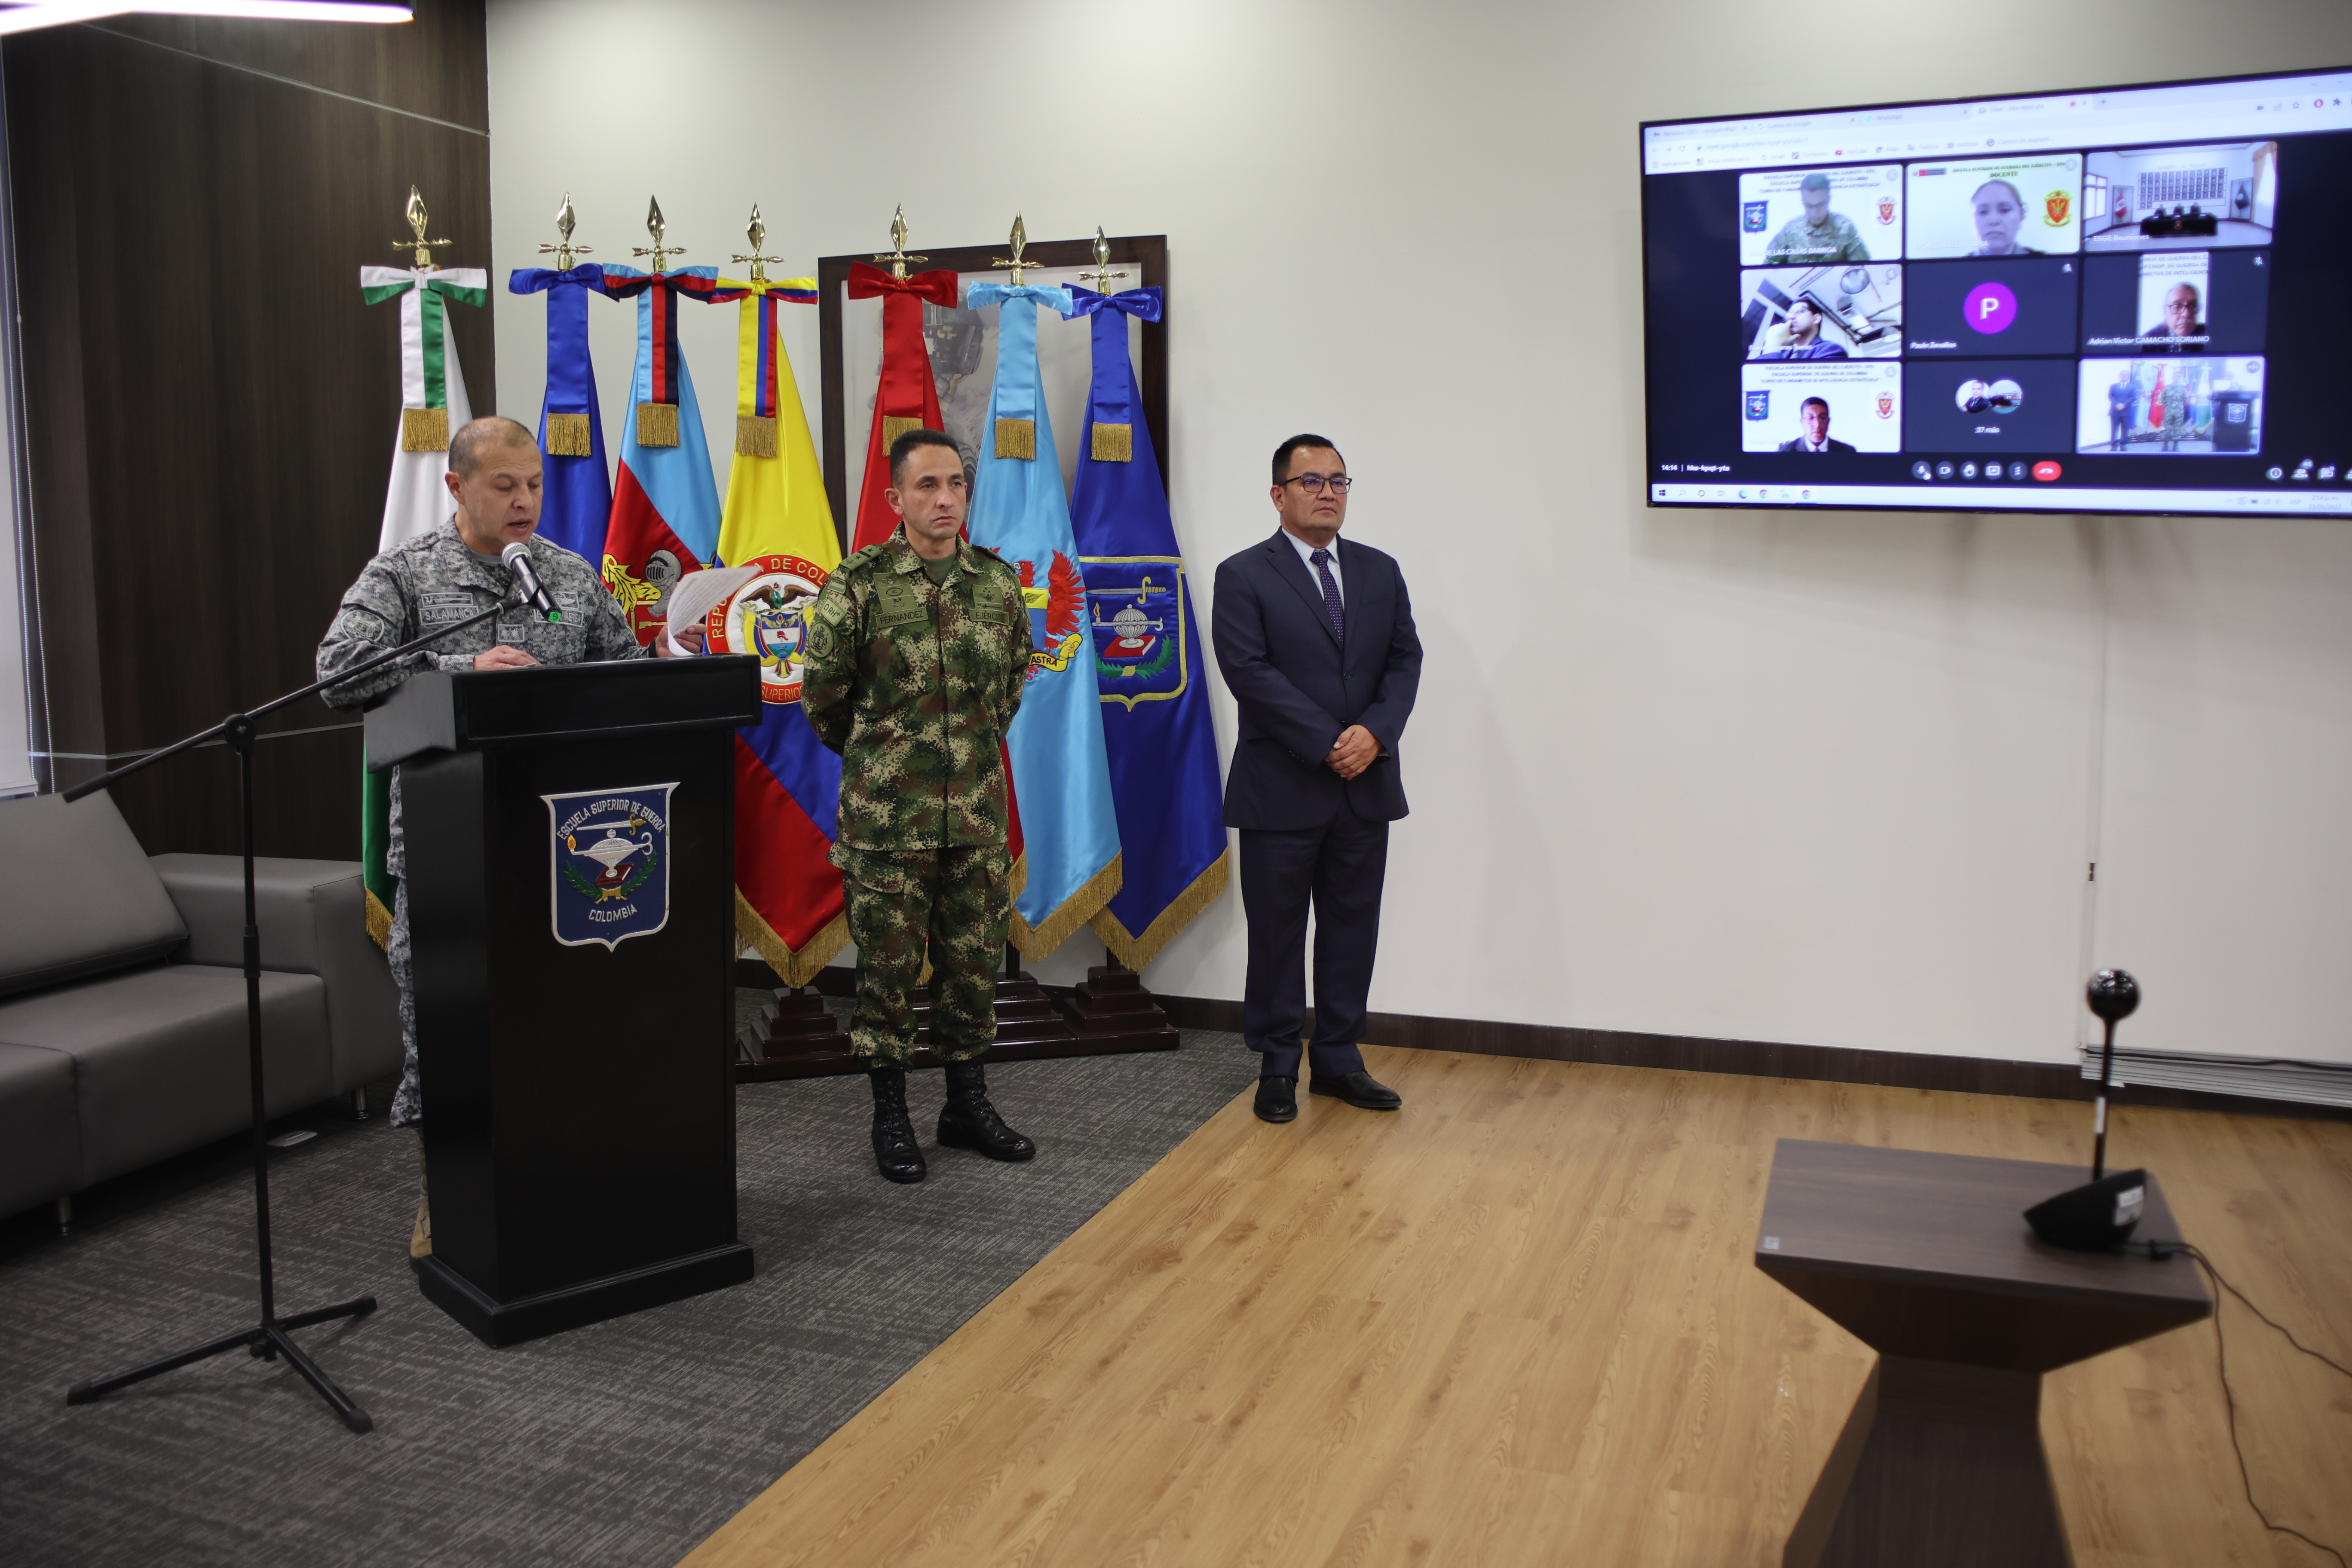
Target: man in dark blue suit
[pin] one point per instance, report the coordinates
(1315, 640)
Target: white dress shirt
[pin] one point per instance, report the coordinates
(1307, 558)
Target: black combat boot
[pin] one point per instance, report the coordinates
(969, 1122)
(895, 1150)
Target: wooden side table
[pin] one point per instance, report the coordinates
(1928, 1259)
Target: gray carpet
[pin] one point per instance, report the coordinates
(623, 1443)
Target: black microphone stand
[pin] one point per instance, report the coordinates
(2114, 995)
(269, 1338)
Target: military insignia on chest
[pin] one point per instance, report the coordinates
(608, 864)
(897, 602)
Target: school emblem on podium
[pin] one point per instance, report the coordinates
(1142, 644)
(767, 618)
(608, 864)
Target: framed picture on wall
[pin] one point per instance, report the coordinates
(962, 347)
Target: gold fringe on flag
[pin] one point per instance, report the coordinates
(794, 969)
(1037, 941)
(424, 429)
(1017, 438)
(567, 436)
(755, 435)
(656, 424)
(1135, 951)
(895, 425)
(1114, 443)
(379, 920)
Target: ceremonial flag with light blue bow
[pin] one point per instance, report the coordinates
(1161, 747)
(1060, 775)
(665, 521)
(577, 497)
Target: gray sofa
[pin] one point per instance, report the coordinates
(122, 1029)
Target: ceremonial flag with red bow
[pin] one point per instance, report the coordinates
(907, 398)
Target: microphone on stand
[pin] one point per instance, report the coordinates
(518, 559)
(2100, 1214)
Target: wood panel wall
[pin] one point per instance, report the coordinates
(210, 409)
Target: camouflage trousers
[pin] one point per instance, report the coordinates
(952, 903)
(407, 1109)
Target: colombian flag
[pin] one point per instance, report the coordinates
(788, 901)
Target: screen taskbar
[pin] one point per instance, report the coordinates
(1946, 497)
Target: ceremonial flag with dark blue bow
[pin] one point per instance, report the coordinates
(1069, 831)
(577, 499)
(665, 519)
(1148, 649)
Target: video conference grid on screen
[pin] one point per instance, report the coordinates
(2060, 303)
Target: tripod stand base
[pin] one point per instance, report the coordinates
(266, 1342)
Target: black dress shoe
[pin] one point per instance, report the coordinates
(969, 1122)
(896, 1154)
(1277, 1100)
(1358, 1088)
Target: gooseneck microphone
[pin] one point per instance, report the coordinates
(2100, 1214)
(518, 559)
(2114, 996)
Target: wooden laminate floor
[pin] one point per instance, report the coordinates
(1519, 1323)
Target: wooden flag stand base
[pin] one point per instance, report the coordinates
(797, 1035)
(1112, 1012)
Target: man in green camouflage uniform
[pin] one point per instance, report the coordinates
(440, 578)
(1817, 237)
(917, 653)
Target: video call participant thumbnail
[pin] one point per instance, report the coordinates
(2176, 303)
(2180, 198)
(1995, 206)
(1821, 312)
(2170, 407)
(2004, 306)
(1964, 406)
(1813, 218)
(1832, 408)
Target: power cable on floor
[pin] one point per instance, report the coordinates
(2221, 1360)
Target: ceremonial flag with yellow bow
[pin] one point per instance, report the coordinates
(788, 900)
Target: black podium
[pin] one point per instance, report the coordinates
(570, 842)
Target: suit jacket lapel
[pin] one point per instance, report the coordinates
(1301, 578)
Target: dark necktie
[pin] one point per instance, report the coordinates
(1331, 602)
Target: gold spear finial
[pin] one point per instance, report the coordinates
(756, 231)
(1101, 277)
(661, 250)
(898, 256)
(417, 222)
(564, 250)
(1020, 240)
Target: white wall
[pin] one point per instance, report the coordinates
(1822, 778)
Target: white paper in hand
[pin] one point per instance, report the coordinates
(696, 595)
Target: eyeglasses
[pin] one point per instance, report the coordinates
(1313, 483)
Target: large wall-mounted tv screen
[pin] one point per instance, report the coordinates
(2118, 300)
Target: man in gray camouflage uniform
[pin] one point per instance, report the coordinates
(445, 577)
